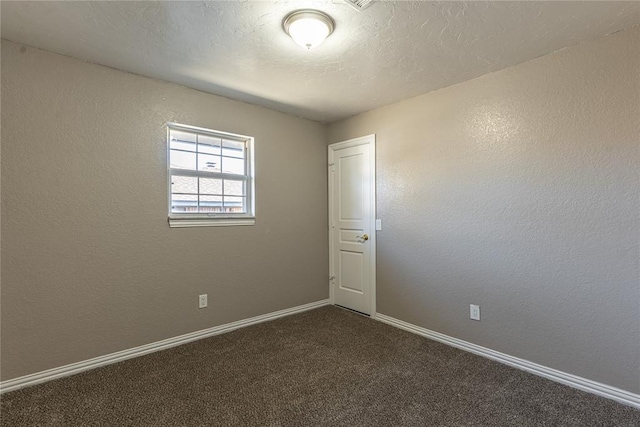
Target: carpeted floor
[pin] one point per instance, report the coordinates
(323, 367)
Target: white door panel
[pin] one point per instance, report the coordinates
(352, 223)
(350, 170)
(350, 271)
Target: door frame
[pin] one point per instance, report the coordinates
(369, 140)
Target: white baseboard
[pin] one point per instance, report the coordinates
(85, 365)
(571, 380)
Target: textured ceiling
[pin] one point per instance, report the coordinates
(388, 52)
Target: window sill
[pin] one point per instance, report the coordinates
(210, 222)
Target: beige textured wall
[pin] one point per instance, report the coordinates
(519, 191)
(89, 264)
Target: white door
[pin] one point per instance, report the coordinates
(352, 224)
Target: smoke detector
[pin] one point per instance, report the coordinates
(359, 4)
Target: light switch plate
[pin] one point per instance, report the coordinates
(474, 312)
(378, 224)
(202, 301)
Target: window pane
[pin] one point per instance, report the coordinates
(230, 165)
(209, 163)
(179, 135)
(182, 160)
(188, 146)
(210, 186)
(184, 184)
(210, 204)
(209, 144)
(234, 204)
(233, 148)
(182, 140)
(184, 203)
(210, 174)
(233, 188)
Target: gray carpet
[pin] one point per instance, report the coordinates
(323, 367)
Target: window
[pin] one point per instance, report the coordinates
(210, 177)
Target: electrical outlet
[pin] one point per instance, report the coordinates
(474, 312)
(202, 301)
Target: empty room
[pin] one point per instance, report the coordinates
(320, 213)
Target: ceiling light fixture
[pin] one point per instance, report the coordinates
(309, 28)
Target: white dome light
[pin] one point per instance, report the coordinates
(308, 28)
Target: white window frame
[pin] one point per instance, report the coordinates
(198, 219)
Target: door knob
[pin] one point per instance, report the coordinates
(363, 237)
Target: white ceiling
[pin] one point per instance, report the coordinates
(388, 52)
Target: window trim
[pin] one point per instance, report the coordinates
(179, 220)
